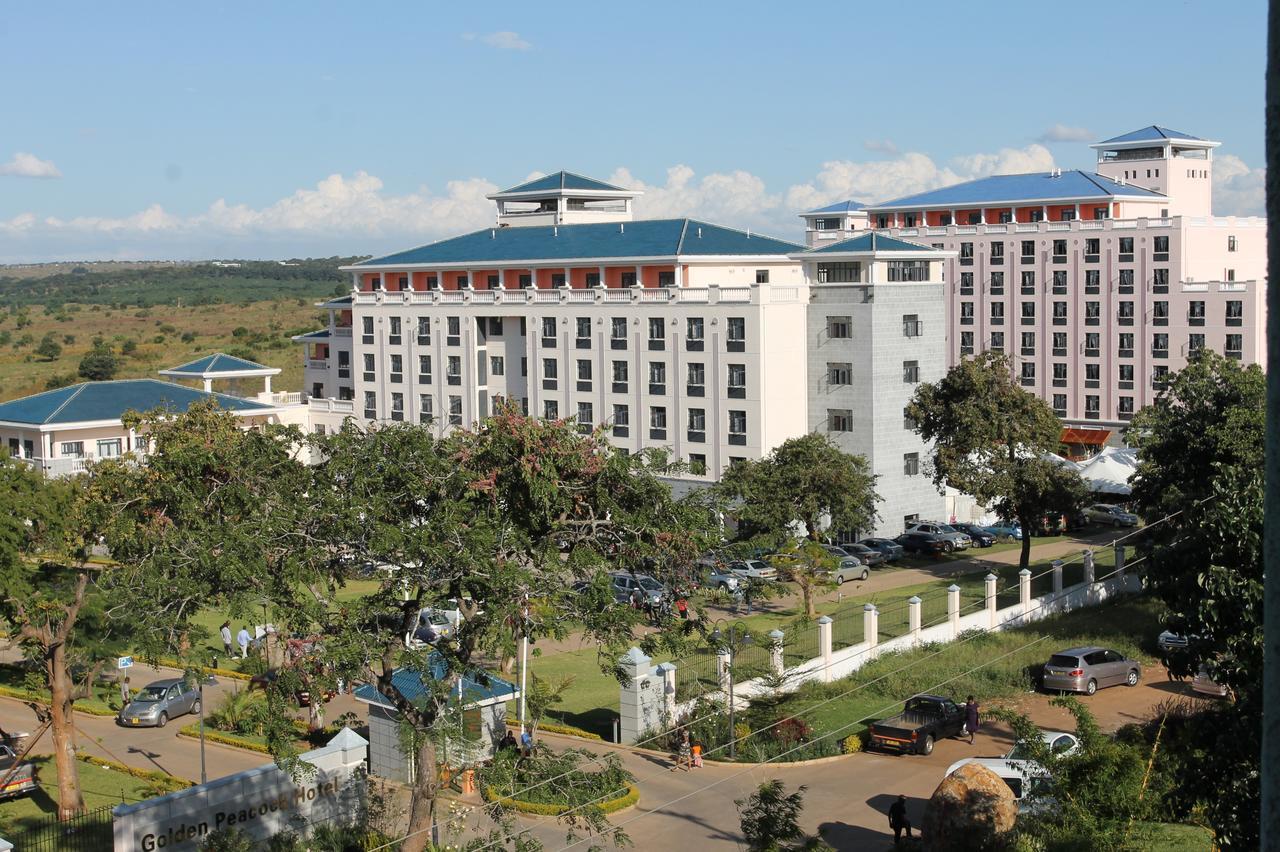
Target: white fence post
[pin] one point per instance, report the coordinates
(870, 625)
(775, 651)
(824, 646)
(1057, 576)
(1087, 558)
(1120, 557)
(953, 609)
(913, 617)
(1024, 589)
(991, 598)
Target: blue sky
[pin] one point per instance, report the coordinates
(270, 129)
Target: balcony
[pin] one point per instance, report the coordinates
(54, 468)
(710, 294)
(317, 364)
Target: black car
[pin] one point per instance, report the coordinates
(890, 548)
(980, 537)
(922, 542)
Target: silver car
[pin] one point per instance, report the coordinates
(753, 569)
(158, 702)
(1089, 669)
(848, 566)
(952, 539)
(1105, 513)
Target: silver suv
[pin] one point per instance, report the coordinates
(1089, 669)
(952, 539)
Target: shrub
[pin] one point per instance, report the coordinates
(550, 783)
(241, 712)
(851, 744)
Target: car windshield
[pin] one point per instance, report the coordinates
(1062, 660)
(649, 584)
(151, 693)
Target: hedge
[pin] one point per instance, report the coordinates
(145, 774)
(566, 730)
(168, 662)
(540, 809)
(222, 737)
(79, 706)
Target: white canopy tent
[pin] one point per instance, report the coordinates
(1110, 470)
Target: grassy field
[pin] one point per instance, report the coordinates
(13, 680)
(158, 334)
(100, 786)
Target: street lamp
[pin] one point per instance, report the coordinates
(200, 677)
(738, 634)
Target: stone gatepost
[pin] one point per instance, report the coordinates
(642, 697)
(775, 651)
(667, 671)
(991, 598)
(871, 625)
(953, 609)
(824, 646)
(913, 618)
(1024, 589)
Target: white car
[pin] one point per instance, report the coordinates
(1017, 770)
(753, 569)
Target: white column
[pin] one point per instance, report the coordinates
(1057, 576)
(208, 385)
(870, 625)
(601, 282)
(668, 672)
(639, 276)
(913, 617)
(824, 646)
(991, 598)
(677, 276)
(953, 609)
(266, 384)
(775, 651)
(1024, 589)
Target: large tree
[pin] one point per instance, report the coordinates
(1201, 447)
(990, 438)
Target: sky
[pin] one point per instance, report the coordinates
(271, 130)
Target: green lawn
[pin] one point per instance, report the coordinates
(14, 678)
(1172, 837)
(592, 702)
(100, 787)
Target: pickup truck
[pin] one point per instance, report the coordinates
(924, 720)
(23, 780)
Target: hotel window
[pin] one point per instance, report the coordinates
(397, 406)
(584, 330)
(1093, 342)
(1159, 375)
(1231, 275)
(1235, 311)
(911, 326)
(1006, 217)
(628, 279)
(1059, 311)
(826, 224)
(966, 251)
(593, 279)
(1195, 342)
(621, 418)
(1028, 248)
(762, 276)
(1091, 406)
(1160, 245)
(694, 331)
(1067, 215)
(737, 427)
(737, 333)
(369, 374)
(585, 416)
(997, 312)
(394, 331)
(366, 329)
(1060, 279)
(1059, 248)
(584, 373)
(375, 283)
(697, 378)
(495, 326)
(839, 419)
(737, 384)
(618, 330)
(997, 283)
(908, 220)
(426, 408)
(911, 372)
(1059, 372)
(550, 369)
(557, 279)
(550, 409)
(1028, 310)
(1160, 343)
(1028, 371)
(1235, 345)
(1160, 280)
(1092, 310)
(453, 331)
(911, 464)
(667, 279)
(397, 368)
(526, 281)
(1126, 280)
(658, 417)
(1101, 213)
(455, 411)
(966, 343)
(697, 420)
(1028, 281)
(698, 464)
(73, 449)
(1059, 343)
(839, 374)
(107, 449)
(839, 328)
(997, 341)
(1125, 311)
(1093, 246)
(1060, 404)
(657, 377)
(840, 273)
(1231, 244)
(453, 369)
(997, 251)
(1126, 373)
(1092, 280)
(1195, 310)
(497, 365)
(424, 330)
(549, 331)
(1126, 245)
(966, 313)
(1126, 406)
(1092, 375)
(1028, 343)
(344, 364)
(424, 369)
(1125, 344)
(966, 283)
(908, 270)
(620, 375)
(657, 332)
(370, 406)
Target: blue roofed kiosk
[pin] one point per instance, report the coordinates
(219, 366)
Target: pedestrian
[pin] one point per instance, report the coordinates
(739, 593)
(898, 820)
(125, 693)
(746, 594)
(508, 742)
(684, 751)
(682, 607)
(971, 717)
(697, 756)
(225, 630)
(243, 638)
(526, 743)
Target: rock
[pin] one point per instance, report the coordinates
(971, 809)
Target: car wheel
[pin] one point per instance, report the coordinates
(865, 573)
(840, 579)
(927, 748)
(162, 719)
(947, 547)
(195, 708)
(1091, 687)
(1132, 679)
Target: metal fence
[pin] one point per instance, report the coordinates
(90, 831)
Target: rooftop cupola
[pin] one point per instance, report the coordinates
(563, 198)
(1170, 162)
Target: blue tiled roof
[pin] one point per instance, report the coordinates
(1152, 132)
(869, 242)
(562, 180)
(1037, 186)
(649, 238)
(838, 207)
(110, 400)
(408, 683)
(217, 363)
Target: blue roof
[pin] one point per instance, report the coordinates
(838, 207)
(92, 401)
(1037, 186)
(477, 685)
(649, 238)
(562, 180)
(217, 363)
(869, 242)
(1152, 133)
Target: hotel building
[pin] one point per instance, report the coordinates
(1098, 284)
(713, 343)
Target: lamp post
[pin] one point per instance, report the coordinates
(199, 678)
(737, 634)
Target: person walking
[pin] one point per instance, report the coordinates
(971, 717)
(684, 751)
(526, 743)
(898, 820)
(243, 638)
(225, 630)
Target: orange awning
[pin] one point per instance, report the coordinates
(1088, 437)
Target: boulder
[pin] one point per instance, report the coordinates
(971, 809)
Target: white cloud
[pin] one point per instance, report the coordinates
(502, 40)
(1033, 158)
(1238, 190)
(29, 165)
(1066, 133)
(881, 146)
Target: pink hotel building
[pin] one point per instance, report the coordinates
(1097, 284)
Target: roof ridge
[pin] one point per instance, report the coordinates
(747, 232)
(66, 402)
(684, 229)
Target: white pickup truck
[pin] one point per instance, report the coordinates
(15, 782)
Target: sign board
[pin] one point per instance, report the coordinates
(261, 802)
(124, 662)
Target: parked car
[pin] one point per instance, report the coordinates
(866, 555)
(1015, 768)
(922, 542)
(625, 585)
(714, 577)
(1005, 529)
(433, 625)
(270, 676)
(1089, 669)
(158, 702)
(953, 537)
(1105, 513)
(1205, 685)
(848, 567)
(18, 781)
(1170, 641)
(977, 534)
(891, 549)
(753, 569)
(924, 720)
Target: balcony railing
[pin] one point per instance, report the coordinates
(712, 294)
(57, 467)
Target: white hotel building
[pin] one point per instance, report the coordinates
(714, 343)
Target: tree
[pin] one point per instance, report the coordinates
(806, 563)
(770, 819)
(49, 349)
(806, 481)
(990, 438)
(1201, 447)
(99, 364)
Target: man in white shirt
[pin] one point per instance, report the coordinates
(243, 639)
(226, 637)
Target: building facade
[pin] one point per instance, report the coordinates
(1097, 284)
